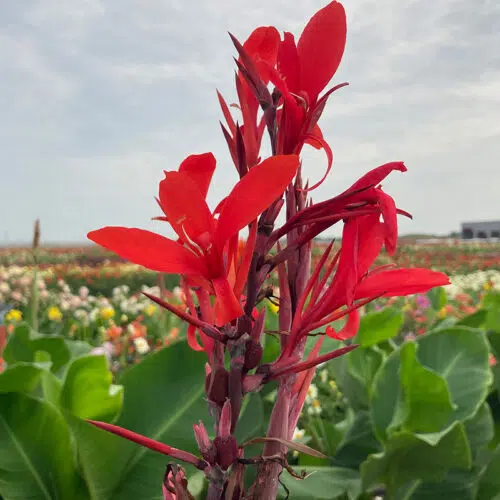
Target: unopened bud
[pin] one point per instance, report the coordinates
(224, 429)
(253, 355)
(227, 451)
(205, 446)
(216, 385)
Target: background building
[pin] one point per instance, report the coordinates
(488, 229)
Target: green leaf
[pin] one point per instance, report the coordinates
(88, 392)
(480, 429)
(24, 343)
(376, 327)
(461, 356)
(489, 484)
(438, 298)
(456, 485)
(409, 457)
(474, 320)
(428, 402)
(323, 483)
(363, 364)
(36, 452)
(359, 441)
(250, 423)
(21, 377)
(352, 387)
(387, 405)
(163, 398)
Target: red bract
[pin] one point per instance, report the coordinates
(201, 252)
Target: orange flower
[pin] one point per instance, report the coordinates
(114, 332)
(137, 329)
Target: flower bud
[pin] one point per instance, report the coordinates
(253, 355)
(216, 385)
(205, 446)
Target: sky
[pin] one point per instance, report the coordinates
(98, 97)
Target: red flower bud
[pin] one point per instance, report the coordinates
(216, 385)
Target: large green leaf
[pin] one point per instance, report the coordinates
(163, 398)
(461, 356)
(480, 429)
(489, 485)
(363, 364)
(24, 343)
(409, 457)
(22, 377)
(412, 394)
(456, 485)
(88, 392)
(376, 327)
(359, 441)
(427, 399)
(37, 459)
(323, 483)
(387, 408)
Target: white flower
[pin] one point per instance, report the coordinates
(298, 434)
(141, 345)
(323, 375)
(314, 408)
(4, 287)
(312, 394)
(83, 292)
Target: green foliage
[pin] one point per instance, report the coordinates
(48, 450)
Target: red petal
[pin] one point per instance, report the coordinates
(321, 143)
(242, 273)
(398, 282)
(263, 44)
(320, 48)
(388, 208)
(371, 239)
(314, 138)
(263, 184)
(377, 175)
(192, 340)
(186, 208)
(148, 249)
(200, 168)
(349, 330)
(227, 306)
(288, 62)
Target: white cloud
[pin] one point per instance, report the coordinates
(98, 97)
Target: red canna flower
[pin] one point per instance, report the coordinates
(201, 252)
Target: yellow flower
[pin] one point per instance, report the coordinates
(487, 286)
(442, 313)
(106, 313)
(54, 313)
(150, 309)
(273, 308)
(14, 316)
(333, 385)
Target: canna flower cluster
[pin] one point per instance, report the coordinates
(281, 86)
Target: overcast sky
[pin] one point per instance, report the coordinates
(97, 97)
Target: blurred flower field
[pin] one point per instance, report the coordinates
(85, 295)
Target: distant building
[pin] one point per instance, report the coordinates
(482, 230)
